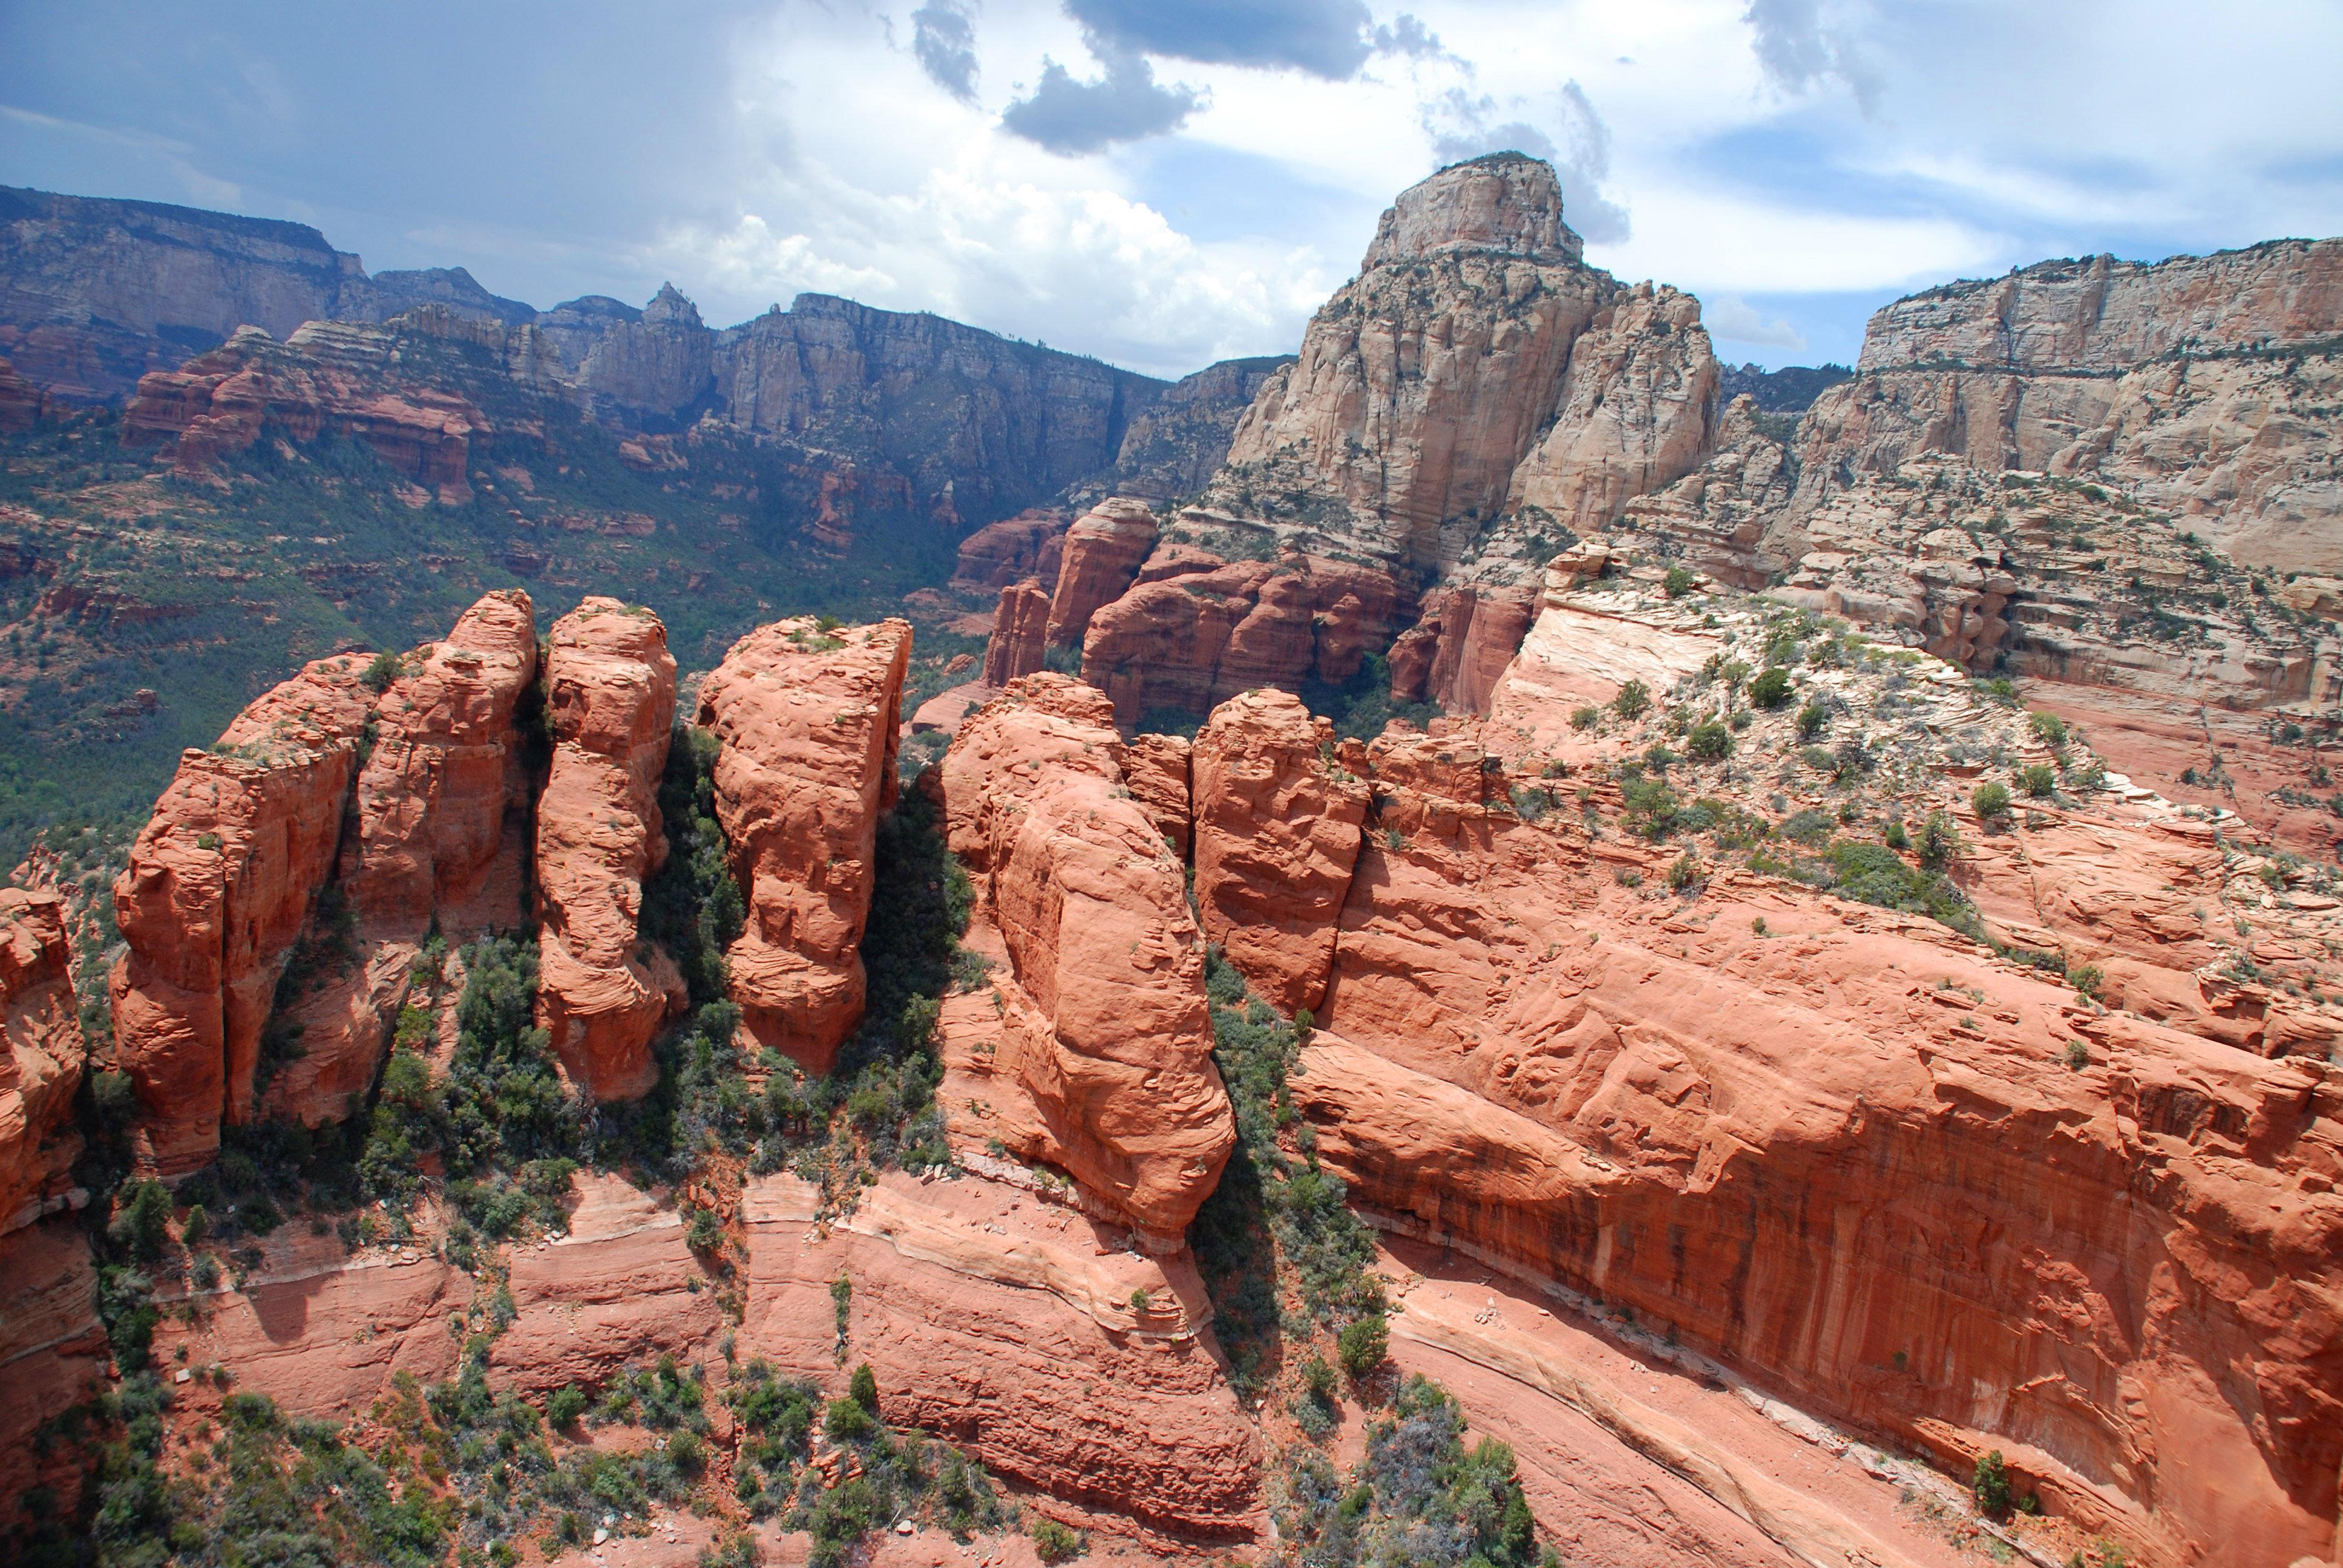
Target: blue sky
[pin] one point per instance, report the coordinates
(1163, 183)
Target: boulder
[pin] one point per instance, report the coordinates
(809, 720)
(610, 699)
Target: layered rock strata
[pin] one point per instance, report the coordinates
(609, 695)
(1103, 1003)
(1019, 633)
(44, 1055)
(809, 720)
(220, 883)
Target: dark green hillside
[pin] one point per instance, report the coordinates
(118, 578)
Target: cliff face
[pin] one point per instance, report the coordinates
(2197, 387)
(94, 293)
(610, 695)
(809, 723)
(40, 1028)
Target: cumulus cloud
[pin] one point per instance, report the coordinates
(1803, 44)
(1076, 266)
(1328, 38)
(1728, 316)
(943, 40)
(1462, 126)
(1071, 117)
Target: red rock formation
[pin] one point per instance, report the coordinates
(1028, 545)
(1457, 652)
(1277, 833)
(1155, 770)
(2125, 1276)
(1103, 550)
(328, 375)
(1003, 1323)
(219, 884)
(440, 832)
(53, 1354)
(42, 1065)
(809, 720)
(1019, 633)
(609, 686)
(1106, 1023)
(1190, 642)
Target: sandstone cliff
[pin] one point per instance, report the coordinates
(808, 719)
(220, 883)
(1104, 1025)
(42, 1068)
(609, 697)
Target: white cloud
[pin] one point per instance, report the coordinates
(1730, 318)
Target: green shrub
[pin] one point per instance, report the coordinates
(564, 1406)
(1632, 700)
(1990, 801)
(1991, 1484)
(1053, 1542)
(705, 1233)
(1678, 582)
(1363, 1344)
(2038, 779)
(1708, 742)
(1584, 718)
(863, 1387)
(142, 1220)
(1897, 838)
(847, 1422)
(1684, 872)
(2049, 729)
(2078, 1055)
(1939, 841)
(1771, 689)
(2088, 979)
(1812, 718)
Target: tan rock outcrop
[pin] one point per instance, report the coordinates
(1019, 633)
(809, 721)
(1425, 381)
(220, 882)
(1456, 653)
(1103, 550)
(45, 1054)
(1277, 834)
(53, 1353)
(1637, 410)
(610, 684)
(1104, 1003)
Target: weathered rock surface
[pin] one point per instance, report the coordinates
(1028, 545)
(1104, 1003)
(1465, 639)
(1189, 640)
(1103, 550)
(333, 376)
(993, 1320)
(1277, 834)
(1637, 410)
(1019, 633)
(1176, 443)
(440, 830)
(219, 885)
(610, 684)
(21, 402)
(45, 1054)
(53, 1352)
(1155, 769)
(616, 1288)
(809, 723)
